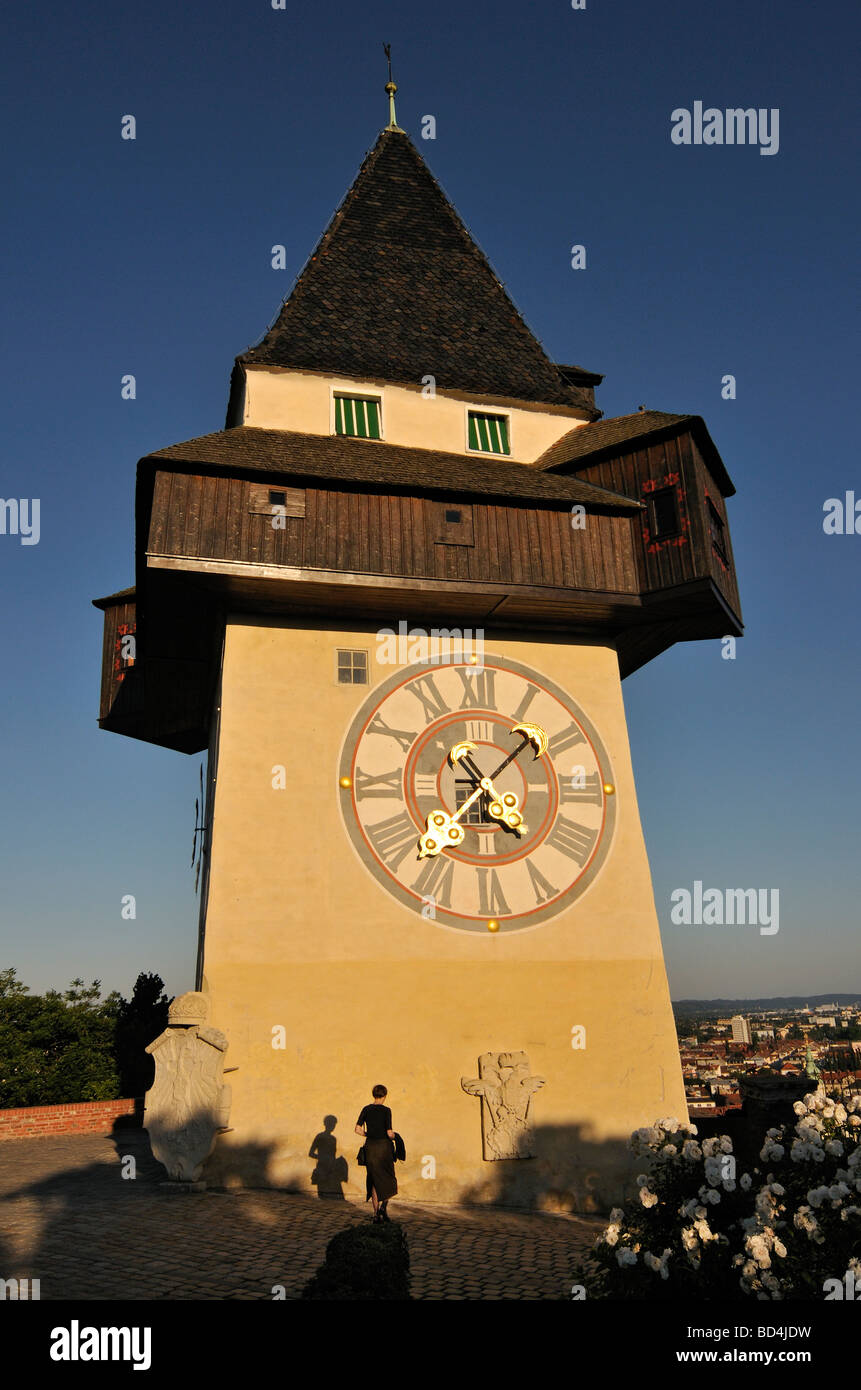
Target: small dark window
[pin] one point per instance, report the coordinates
(453, 525)
(264, 500)
(716, 529)
(664, 513)
(478, 813)
(352, 668)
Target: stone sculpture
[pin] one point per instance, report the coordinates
(188, 1102)
(506, 1089)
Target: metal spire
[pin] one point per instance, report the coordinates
(391, 88)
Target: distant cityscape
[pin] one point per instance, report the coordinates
(722, 1051)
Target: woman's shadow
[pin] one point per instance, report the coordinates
(331, 1171)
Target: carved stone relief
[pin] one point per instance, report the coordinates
(188, 1102)
(506, 1089)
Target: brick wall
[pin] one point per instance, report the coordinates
(83, 1117)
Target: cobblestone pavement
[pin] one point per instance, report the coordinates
(69, 1219)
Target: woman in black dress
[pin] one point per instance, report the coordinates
(381, 1182)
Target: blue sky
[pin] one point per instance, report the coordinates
(553, 128)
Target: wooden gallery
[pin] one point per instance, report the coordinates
(427, 873)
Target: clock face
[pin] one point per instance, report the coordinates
(511, 853)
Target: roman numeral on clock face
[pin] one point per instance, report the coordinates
(566, 738)
(429, 697)
(542, 887)
(425, 784)
(573, 840)
(478, 689)
(435, 880)
(384, 784)
(393, 839)
(483, 842)
(378, 725)
(529, 696)
(491, 898)
(590, 793)
(479, 730)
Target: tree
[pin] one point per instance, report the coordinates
(69, 1046)
(139, 1021)
(57, 1047)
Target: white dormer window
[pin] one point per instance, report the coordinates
(487, 434)
(357, 416)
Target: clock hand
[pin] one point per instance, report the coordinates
(503, 807)
(532, 733)
(442, 830)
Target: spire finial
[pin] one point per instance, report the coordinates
(391, 88)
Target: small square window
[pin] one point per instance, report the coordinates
(453, 525)
(352, 667)
(488, 433)
(264, 500)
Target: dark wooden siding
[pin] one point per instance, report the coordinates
(723, 574)
(205, 517)
(663, 564)
(117, 676)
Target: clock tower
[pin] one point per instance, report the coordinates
(395, 599)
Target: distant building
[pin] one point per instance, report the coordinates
(740, 1029)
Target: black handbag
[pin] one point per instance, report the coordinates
(360, 1157)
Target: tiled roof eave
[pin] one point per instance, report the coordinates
(331, 459)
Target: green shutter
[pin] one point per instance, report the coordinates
(357, 417)
(488, 433)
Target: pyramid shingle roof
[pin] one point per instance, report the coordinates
(398, 289)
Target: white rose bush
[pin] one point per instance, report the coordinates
(703, 1227)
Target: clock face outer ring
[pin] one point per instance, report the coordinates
(445, 918)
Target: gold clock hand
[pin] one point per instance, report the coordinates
(502, 806)
(442, 830)
(532, 733)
